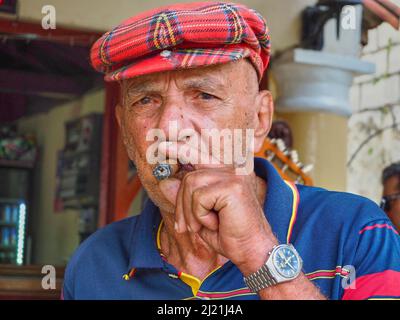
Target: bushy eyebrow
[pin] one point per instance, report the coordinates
(146, 86)
(141, 87)
(209, 84)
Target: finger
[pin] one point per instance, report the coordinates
(171, 189)
(180, 222)
(220, 205)
(191, 182)
(204, 201)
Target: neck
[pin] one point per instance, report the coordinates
(187, 252)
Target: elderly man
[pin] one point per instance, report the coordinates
(219, 229)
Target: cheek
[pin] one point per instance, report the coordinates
(394, 216)
(240, 120)
(394, 213)
(232, 118)
(134, 134)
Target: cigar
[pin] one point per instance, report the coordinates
(162, 171)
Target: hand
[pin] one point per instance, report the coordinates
(223, 208)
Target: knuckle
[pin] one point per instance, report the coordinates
(237, 186)
(196, 196)
(189, 178)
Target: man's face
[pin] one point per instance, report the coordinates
(391, 187)
(217, 97)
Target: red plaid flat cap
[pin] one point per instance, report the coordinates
(183, 36)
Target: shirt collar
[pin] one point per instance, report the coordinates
(280, 209)
(143, 247)
(281, 201)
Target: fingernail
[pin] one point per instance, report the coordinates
(189, 229)
(176, 226)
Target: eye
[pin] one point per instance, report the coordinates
(147, 101)
(144, 101)
(206, 96)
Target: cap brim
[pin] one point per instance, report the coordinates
(167, 60)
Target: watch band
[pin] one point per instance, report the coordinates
(260, 279)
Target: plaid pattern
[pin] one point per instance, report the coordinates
(183, 36)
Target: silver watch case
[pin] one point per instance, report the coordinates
(268, 275)
(274, 270)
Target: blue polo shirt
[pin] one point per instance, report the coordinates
(342, 238)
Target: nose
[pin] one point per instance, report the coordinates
(174, 118)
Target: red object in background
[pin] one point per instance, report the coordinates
(61, 34)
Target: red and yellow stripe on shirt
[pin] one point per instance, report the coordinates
(295, 205)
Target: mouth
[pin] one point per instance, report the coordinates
(183, 169)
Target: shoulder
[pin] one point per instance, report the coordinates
(114, 235)
(111, 241)
(334, 206)
(336, 217)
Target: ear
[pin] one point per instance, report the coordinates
(263, 120)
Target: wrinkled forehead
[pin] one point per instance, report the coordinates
(218, 77)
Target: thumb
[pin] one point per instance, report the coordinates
(169, 188)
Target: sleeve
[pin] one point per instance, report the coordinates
(66, 292)
(376, 259)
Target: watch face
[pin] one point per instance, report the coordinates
(286, 262)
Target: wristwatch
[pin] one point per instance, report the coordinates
(283, 264)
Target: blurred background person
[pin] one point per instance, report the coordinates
(391, 193)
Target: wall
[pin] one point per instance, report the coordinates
(318, 139)
(283, 16)
(374, 127)
(55, 235)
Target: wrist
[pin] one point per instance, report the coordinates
(256, 255)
